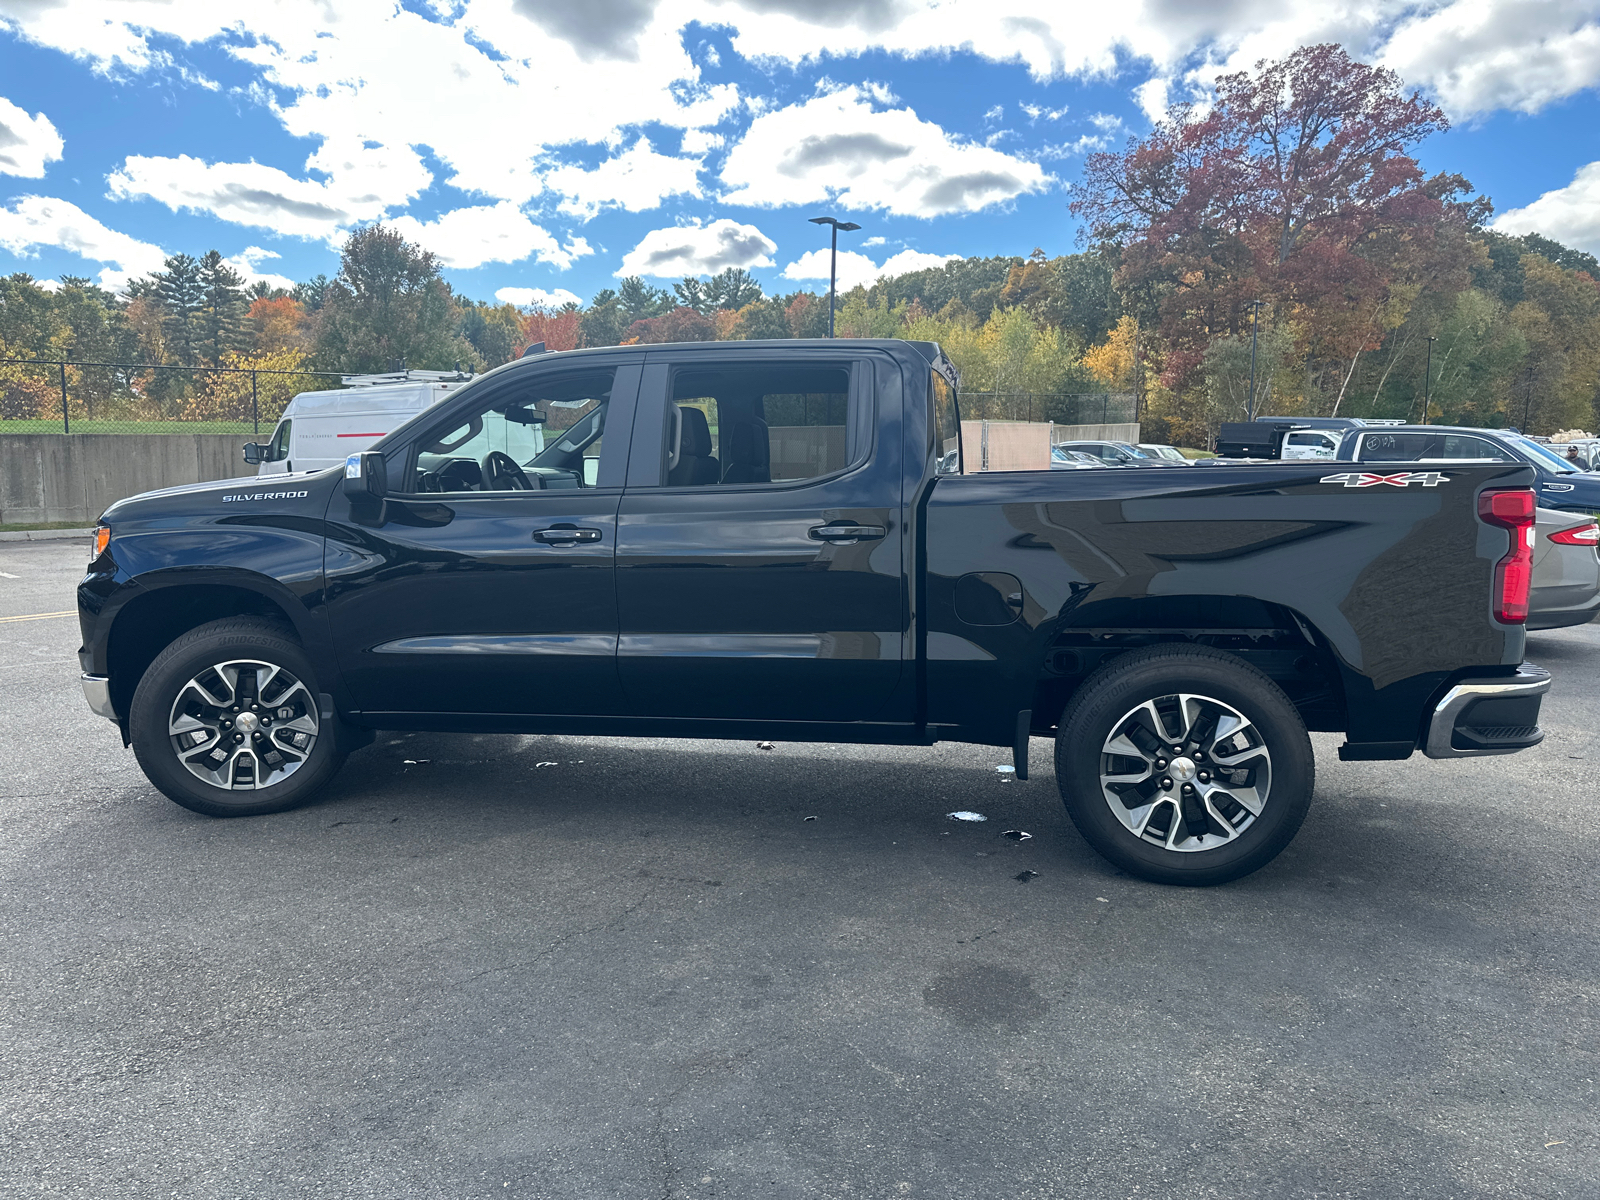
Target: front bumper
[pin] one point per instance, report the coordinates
(1488, 716)
(97, 692)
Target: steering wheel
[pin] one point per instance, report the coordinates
(501, 473)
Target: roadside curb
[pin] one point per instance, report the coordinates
(44, 535)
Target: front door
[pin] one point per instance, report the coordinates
(485, 583)
(759, 544)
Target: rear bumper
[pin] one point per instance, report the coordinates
(97, 692)
(1488, 716)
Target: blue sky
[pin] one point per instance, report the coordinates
(542, 148)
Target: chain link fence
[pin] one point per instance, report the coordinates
(1076, 408)
(64, 396)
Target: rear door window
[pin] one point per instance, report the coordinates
(767, 424)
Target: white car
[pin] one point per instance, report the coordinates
(1310, 443)
(321, 429)
(1160, 450)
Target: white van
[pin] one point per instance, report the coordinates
(320, 429)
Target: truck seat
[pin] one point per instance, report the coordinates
(749, 453)
(696, 467)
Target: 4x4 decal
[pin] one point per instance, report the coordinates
(1360, 479)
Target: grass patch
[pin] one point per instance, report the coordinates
(1188, 453)
(241, 428)
(28, 528)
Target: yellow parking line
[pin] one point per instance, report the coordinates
(71, 612)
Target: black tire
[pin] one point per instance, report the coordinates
(236, 639)
(1107, 703)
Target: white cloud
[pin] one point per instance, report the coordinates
(838, 147)
(635, 180)
(364, 184)
(857, 269)
(696, 249)
(34, 221)
(26, 143)
(536, 297)
(1481, 56)
(470, 237)
(247, 263)
(1570, 215)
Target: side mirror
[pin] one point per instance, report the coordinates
(255, 453)
(366, 475)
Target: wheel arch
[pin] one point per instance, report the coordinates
(164, 608)
(1279, 641)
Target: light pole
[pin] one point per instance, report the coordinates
(833, 265)
(1250, 400)
(1427, 378)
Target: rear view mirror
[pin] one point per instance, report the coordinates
(525, 416)
(366, 475)
(255, 453)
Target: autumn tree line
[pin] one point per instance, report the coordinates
(1289, 216)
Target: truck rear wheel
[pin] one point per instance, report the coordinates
(226, 721)
(1186, 765)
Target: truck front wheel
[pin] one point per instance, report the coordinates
(226, 721)
(1186, 765)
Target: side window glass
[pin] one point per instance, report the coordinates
(1399, 447)
(774, 423)
(280, 442)
(545, 436)
(1462, 446)
(946, 425)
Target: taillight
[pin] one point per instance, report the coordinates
(1512, 510)
(1578, 535)
(102, 537)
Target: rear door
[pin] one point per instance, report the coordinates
(759, 542)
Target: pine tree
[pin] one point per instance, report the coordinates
(222, 308)
(735, 288)
(182, 299)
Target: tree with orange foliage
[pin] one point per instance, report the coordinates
(279, 324)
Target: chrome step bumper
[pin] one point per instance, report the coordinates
(1488, 716)
(97, 691)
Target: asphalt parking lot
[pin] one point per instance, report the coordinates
(568, 967)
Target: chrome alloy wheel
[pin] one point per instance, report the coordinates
(243, 725)
(1185, 772)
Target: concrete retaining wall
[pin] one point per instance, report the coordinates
(76, 477)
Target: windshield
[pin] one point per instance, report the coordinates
(1547, 457)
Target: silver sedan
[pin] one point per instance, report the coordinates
(1566, 570)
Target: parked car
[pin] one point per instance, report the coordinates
(1117, 454)
(774, 542)
(319, 429)
(1062, 459)
(1559, 484)
(1170, 453)
(1566, 571)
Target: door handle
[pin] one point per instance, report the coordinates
(845, 534)
(561, 534)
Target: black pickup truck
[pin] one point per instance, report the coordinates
(777, 540)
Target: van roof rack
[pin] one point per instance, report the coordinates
(410, 375)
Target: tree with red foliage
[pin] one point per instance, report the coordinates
(1297, 187)
(680, 325)
(558, 330)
